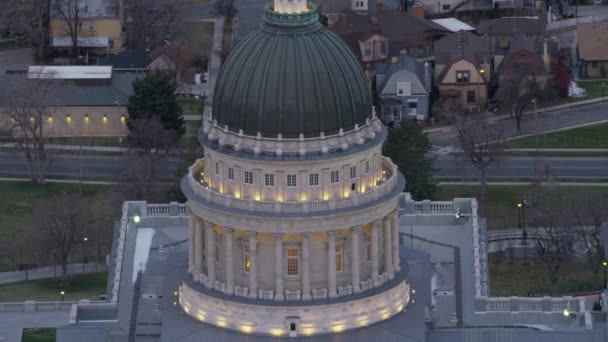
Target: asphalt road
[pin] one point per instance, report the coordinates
(531, 124)
(74, 166)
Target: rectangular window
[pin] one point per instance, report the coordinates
(368, 49)
(291, 181)
(335, 177)
(368, 247)
(91, 27)
(471, 97)
(248, 177)
(339, 258)
(366, 164)
(293, 261)
(218, 245)
(594, 64)
(412, 107)
(446, 7)
(268, 180)
(313, 179)
(246, 258)
(111, 44)
(230, 173)
(353, 172)
(217, 168)
(404, 88)
(462, 77)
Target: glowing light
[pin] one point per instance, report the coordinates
(200, 317)
(257, 197)
(86, 118)
(385, 315)
(414, 291)
(276, 332)
(279, 198)
(136, 219)
(413, 301)
(175, 293)
(221, 323)
(221, 189)
(325, 196)
(187, 309)
(400, 308)
(174, 303)
(303, 197)
(346, 194)
(308, 331)
(363, 188)
(605, 263)
(566, 313)
(31, 118)
(237, 194)
(50, 118)
(519, 205)
(68, 118)
(338, 328)
(246, 329)
(363, 323)
(123, 119)
(105, 118)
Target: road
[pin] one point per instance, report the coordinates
(546, 121)
(75, 166)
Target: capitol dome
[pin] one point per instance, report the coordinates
(291, 77)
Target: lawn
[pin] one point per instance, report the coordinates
(191, 106)
(38, 335)
(88, 141)
(594, 88)
(520, 280)
(87, 286)
(19, 200)
(500, 208)
(595, 136)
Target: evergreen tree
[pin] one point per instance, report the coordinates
(408, 147)
(154, 97)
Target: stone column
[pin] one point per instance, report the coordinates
(229, 259)
(355, 262)
(278, 267)
(253, 271)
(210, 252)
(306, 267)
(375, 255)
(396, 261)
(191, 245)
(331, 252)
(198, 247)
(388, 248)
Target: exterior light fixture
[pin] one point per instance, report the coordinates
(519, 205)
(123, 118)
(175, 293)
(136, 218)
(481, 71)
(105, 118)
(62, 293)
(50, 118)
(86, 118)
(566, 313)
(458, 213)
(605, 263)
(68, 118)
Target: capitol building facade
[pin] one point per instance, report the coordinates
(293, 209)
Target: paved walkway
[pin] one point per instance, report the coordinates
(49, 272)
(12, 323)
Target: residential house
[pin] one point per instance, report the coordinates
(131, 60)
(565, 32)
(593, 49)
(441, 6)
(99, 27)
(366, 34)
(462, 86)
(403, 89)
(461, 45)
(90, 100)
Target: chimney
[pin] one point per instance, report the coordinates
(417, 10)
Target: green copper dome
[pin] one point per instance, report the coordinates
(290, 77)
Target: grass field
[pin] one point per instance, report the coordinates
(38, 335)
(19, 200)
(594, 88)
(520, 280)
(191, 106)
(500, 208)
(86, 286)
(584, 137)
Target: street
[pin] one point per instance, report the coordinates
(74, 167)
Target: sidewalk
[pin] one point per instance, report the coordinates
(76, 147)
(50, 272)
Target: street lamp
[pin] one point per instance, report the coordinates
(605, 264)
(522, 227)
(481, 72)
(136, 218)
(85, 256)
(62, 293)
(536, 123)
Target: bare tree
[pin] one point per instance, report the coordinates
(554, 241)
(60, 225)
(481, 143)
(516, 91)
(149, 143)
(588, 212)
(71, 12)
(24, 109)
(150, 21)
(30, 18)
(225, 8)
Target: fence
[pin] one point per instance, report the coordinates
(49, 272)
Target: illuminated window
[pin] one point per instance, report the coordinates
(291, 181)
(217, 168)
(248, 177)
(230, 173)
(268, 180)
(339, 258)
(313, 179)
(335, 177)
(246, 259)
(293, 261)
(366, 167)
(218, 244)
(353, 172)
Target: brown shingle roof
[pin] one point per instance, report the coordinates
(593, 41)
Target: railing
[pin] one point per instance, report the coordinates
(251, 204)
(528, 304)
(170, 209)
(430, 207)
(31, 306)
